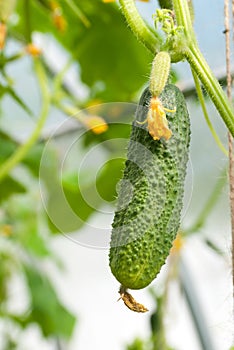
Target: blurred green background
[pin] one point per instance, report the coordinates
(57, 203)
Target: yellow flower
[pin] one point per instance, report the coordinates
(33, 50)
(3, 32)
(96, 124)
(6, 230)
(157, 120)
(177, 244)
(59, 21)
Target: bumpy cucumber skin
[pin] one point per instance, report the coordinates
(150, 197)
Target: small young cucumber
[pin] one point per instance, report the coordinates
(150, 195)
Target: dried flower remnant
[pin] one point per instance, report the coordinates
(130, 302)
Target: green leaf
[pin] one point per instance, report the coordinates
(31, 240)
(78, 12)
(46, 308)
(115, 131)
(6, 268)
(70, 205)
(165, 4)
(112, 63)
(8, 90)
(33, 158)
(138, 344)
(24, 218)
(108, 178)
(9, 186)
(7, 146)
(10, 344)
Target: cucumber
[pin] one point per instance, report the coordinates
(150, 195)
(159, 72)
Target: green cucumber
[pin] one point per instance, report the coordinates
(150, 195)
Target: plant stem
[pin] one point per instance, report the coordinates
(189, 49)
(183, 17)
(28, 31)
(211, 84)
(204, 109)
(200, 66)
(22, 150)
(139, 27)
(230, 139)
(210, 203)
(195, 308)
(78, 12)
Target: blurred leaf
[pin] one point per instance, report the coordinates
(6, 267)
(23, 217)
(112, 62)
(196, 311)
(46, 309)
(9, 187)
(116, 131)
(70, 213)
(33, 158)
(78, 12)
(213, 246)
(108, 178)
(165, 4)
(32, 241)
(8, 90)
(7, 146)
(210, 203)
(121, 63)
(10, 344)
(137, 344)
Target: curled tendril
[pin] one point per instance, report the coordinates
(174, 35)
(166, 19)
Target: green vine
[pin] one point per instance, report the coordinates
(22, 150)
(28, 30)
(78, 12)
(204, 109)
(212, 86)
(181, 46)
(138, 26)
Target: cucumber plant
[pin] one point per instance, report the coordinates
(181, 44)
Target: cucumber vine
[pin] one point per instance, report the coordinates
(182, 46)
(21, 151)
